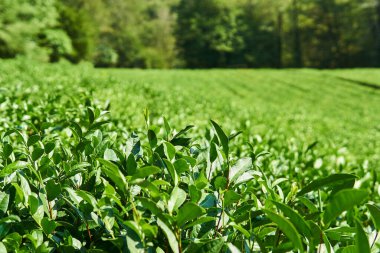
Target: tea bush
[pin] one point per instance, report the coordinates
(75, 178)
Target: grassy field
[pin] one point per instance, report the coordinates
(106, 159)
(308, 105)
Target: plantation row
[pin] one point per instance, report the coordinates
(73, 177)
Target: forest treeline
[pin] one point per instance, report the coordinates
(194, 33)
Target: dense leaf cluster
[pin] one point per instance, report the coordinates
(73, 178)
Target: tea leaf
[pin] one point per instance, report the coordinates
(342, 201)
(327, 181)
(375, 215)
(361, 239)
(287, 228)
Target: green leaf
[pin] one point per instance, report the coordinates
(167, 129)
(19, 192)
(77, 168)
(170, 235)
(48, 225)
(113, 172)
(18, 133)
(181, 166)
(189, 212)
(53, 189)
(232, 248)
(318, 234)
(222, 137)
(12, 242)
(214, 246)
(91, 115)
(77, 130)
(151, 206)
(169, 150)
(195, 194)
(232, 136)
(184, 142)
(361, 239)
(213, 154)
(9, 169)
(310, 205)
(375, 215)
(231, 197)
(4, 202)
(327, 181)
(110, 155)
(48, 147)
(343, 201)
(177, 197)
(350, 249)
(152, 138)
(10, 219)
(287, 228)
(131, 165)
(295, 218)
(36, 208)
(97, 125)
(87, 197)
(201, 182)
(33, 139)
(201, 220)
(220, 183)
(172, 171)
(145, 171)
(37, 153)
(150, 189)
(241, 230)
(149, 230)
(3, 249)
(241, 166)
(183, 131)
(7, 150)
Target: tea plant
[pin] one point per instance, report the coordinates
(73, 178)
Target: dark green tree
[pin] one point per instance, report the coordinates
(207, 32)
(78, 19)
(30, 27)
(261, 32)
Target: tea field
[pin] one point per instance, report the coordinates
(114, 160)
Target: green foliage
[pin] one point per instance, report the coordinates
(105, 56)
(207, 32)
(76, 20)
(194, 33)
(73, 177)
(22, 23)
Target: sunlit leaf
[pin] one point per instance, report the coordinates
(361, 239)
(375, 215)
(287, 228)
(327, 181)
(170, 235)
(343, 201)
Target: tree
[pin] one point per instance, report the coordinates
(297, 48)
(140, 33)
(207, 32)
(261, 29)
(27, 28)
(80, 19)
(376, 31)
